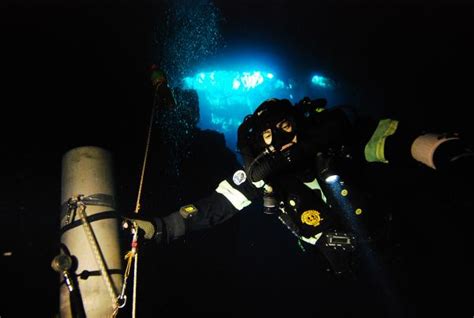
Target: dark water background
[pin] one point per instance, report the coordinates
(75, 74)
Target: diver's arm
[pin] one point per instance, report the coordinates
(398, 143)
(231, 196)
(386, 140)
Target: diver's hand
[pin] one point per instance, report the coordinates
(149, 228)
(161, 229)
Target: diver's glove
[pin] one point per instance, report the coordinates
(148, 228)
(160, 229)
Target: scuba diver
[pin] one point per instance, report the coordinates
(296, 158)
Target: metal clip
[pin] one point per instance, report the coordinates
(72, 204)
(122, 298)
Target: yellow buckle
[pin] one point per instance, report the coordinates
(188, 211)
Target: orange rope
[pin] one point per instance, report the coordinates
(140, 186)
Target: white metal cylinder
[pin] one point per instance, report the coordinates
(88, 171)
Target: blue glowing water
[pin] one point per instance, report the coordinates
(231, 87)
(227, 96)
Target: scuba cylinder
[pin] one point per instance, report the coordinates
(90, 232)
